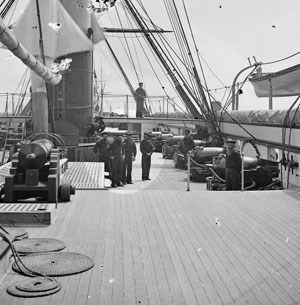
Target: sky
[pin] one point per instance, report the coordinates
(226, 33)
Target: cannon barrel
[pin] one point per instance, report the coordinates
(199, 142)
(35, 154)
(203, 154)
(173, 140)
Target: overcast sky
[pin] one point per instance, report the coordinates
(226, 32)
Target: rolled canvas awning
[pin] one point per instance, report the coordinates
(278, 84)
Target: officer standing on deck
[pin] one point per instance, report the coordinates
(233, 167)
(116, 155)
(129, 151)
(146, 149)
(102, 148)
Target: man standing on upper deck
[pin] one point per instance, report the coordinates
(140, 95)
(233, 167)
(146, 148)
(129, 151)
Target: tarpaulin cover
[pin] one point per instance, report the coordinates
(282, 83)
(69, 38)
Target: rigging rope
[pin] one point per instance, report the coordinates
(161, 54)
(6, 8)
(282, 59)
(128, 49)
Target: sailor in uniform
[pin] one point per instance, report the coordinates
(233, 167)
(146, 148)
(140, 95)
(116, 156)
(129, 151)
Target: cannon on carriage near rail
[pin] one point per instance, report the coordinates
(37, 170)
(207, 164)
(256, 174)
(259, 174)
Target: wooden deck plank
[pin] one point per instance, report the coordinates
(229, 251)
(106, 288)
(150, 278)
(258, 272)
(100, 230)
(205, 254)
(129, 279)
(138, 267)
(194, 263)
(184, 269)
(279, 246)
(166, 270)
(258, 256)
(89, 242)
(149, 221)
(117, 297)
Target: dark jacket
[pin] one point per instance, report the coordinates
(102, 147)
(129, 148)
(116, 148)
(140, 94)
(187, 144)
(234, 161)
(146, 147)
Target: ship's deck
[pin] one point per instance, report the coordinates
(155, 243)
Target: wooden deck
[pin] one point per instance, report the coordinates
(155, 243)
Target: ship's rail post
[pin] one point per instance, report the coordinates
(188, 171)
(233, 98)
(242, 173)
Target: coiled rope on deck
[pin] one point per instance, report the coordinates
(41, 282)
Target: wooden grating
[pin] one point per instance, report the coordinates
(86, 175)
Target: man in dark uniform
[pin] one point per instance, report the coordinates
(233, 167)
(129, 151)
(102, 148)
(187, 142)
(140, 96)
(146, 148)
(116, 155)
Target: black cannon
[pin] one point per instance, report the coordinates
(159, 141)
(169, 144)
(200, 157)
(258, 174)
(200, 153)
(36, 171)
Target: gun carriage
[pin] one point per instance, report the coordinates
(37, 172)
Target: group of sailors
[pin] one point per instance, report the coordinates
(118, 157)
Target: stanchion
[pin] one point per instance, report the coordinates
(188, 171)
(242, 174)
